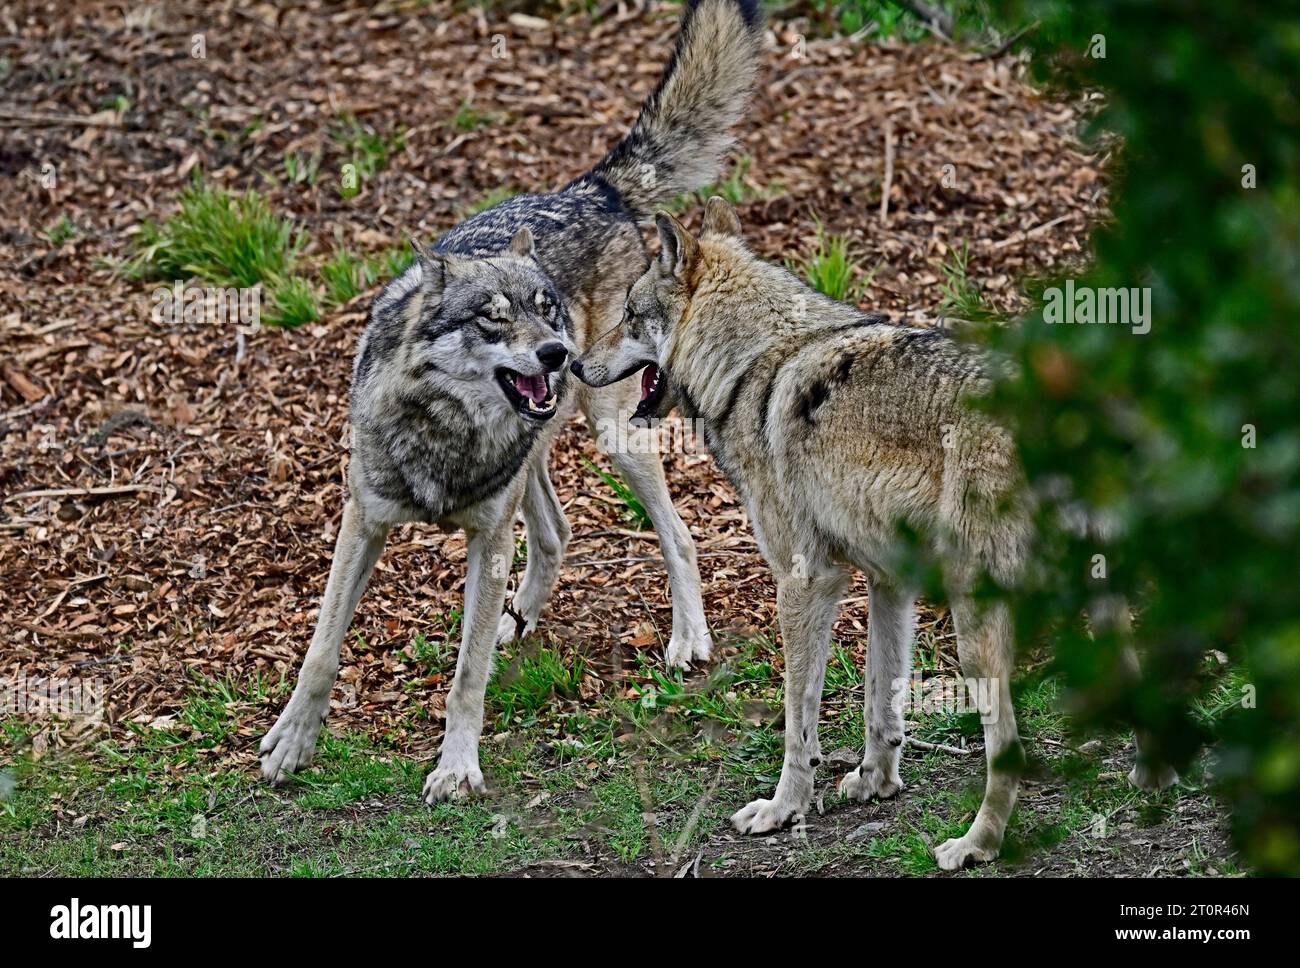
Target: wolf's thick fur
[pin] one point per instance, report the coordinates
(459, 388)
(684, 130)
(836, 428)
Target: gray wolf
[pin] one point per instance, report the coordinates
(837, 427)
(459, 387)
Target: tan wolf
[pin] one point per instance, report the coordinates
(837, 427)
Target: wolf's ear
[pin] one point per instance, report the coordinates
(720, 218)
(522, 244)
(434, 268)
(678, 247)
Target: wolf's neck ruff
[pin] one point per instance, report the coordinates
(437, 452)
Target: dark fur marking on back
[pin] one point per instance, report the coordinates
(820, 390)
(813, 398)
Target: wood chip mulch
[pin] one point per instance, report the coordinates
(171, 494)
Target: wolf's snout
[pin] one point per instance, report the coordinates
(576, 367)
(553, 355)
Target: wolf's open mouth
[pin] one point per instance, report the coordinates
(531, 396)
(654, 383)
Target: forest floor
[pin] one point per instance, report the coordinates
(171, 490)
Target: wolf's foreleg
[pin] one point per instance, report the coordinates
(890, 626)
(289, 745)
(985, 647)
(548, 536)
(690, 642)
(807, 606)
(490, 553)
(636, 456)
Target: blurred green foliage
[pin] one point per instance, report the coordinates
(1186, 437)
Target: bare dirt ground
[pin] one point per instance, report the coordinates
(170, 494)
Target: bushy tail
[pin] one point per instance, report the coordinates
(684, 129)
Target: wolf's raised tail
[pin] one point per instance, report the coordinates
(684, 129)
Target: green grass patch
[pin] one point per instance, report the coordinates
(633, 510)
(467, 118)
(220, 238)
(960, 296)
(436, 653)
(521, 688)
(346, 276)
(294, 301)
(302, 169)
(60, 231)
(832, 270)
(228, 240)
(572, 784)
(390, 263)
(367, 149)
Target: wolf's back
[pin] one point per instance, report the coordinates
(684, 128)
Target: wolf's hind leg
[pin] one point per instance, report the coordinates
(806, 606)
(289, 745)
(891, 622)
(985, 647)
(490, 551)
(1111, 611)
(548, 537)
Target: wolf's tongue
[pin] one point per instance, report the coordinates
(648, 377)
(533, 387)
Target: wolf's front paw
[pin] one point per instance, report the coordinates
(688, 648)
(866, 782)
(289, 746)
(453, 781)
(763, 816)
(955, 854)
(1150, 778)
(508, 628)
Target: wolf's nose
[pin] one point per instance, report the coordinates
(576, 367)
(553, 355)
